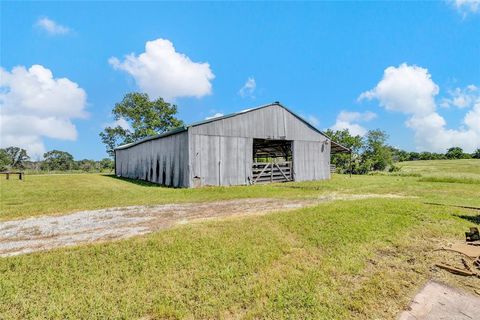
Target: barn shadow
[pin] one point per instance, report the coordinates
(138, 182)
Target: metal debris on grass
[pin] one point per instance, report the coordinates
(472, 235)
(471, 255)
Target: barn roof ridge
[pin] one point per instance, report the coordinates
(230, 115)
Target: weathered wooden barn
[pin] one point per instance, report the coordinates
(265, 144)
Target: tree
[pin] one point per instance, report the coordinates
(5, 160)
(106, 164)
(376, 150)
(413, 156)
(354, 143)
(426, 155)
(87, 165)
(399, 155)
(57, 160)
(454, 153)
(476, 154)
(144, 118)
(17, 156)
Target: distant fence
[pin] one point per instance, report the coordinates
(333, 168)
(20, 174)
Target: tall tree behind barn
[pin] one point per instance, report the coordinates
(265, 144)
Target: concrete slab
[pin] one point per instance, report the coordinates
(438, 301)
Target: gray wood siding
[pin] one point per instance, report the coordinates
(311, 160)
(220, 160)
(163, 161)
(273, 122)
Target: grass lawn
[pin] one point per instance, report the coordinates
(338, 260)
(53, 194)
(464, 168)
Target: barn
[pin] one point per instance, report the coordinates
(266, 144)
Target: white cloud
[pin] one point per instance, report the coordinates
(248, 88)
(356, 116)
(34, 104)
(466, 6)
(410, 90)
(216, 115)
(349, 120)
(163, 72)
(122, 123)
(461, 97)
(52, 27)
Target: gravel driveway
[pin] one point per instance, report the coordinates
(48, 232)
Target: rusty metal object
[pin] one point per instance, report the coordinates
(472, 235)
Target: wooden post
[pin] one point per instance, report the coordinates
(271, 172)
(350, 164)
(8, 176)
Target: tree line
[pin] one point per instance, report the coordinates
(147, 117)
(15, 158)
(372, 153)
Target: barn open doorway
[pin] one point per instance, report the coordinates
(272, 161)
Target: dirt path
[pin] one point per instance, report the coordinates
(48, 232)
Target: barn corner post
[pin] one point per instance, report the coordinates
(350, 164)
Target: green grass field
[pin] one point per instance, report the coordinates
(339, 260)
(464, 168)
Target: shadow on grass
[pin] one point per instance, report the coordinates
(472, 219)
(138, 182)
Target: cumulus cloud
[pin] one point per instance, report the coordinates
(34, 104)
(411, 90)
(466, 6)
(248, 88)
(350, 120)
(52, 27)
(461, 97)
(161, 71)
(408, 89)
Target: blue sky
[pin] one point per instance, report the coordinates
(409, 68)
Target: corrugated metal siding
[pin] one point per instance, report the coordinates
(163, 161)
(311, 160)
(273, 122)
(219, 160)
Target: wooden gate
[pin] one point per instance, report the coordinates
(266, 172)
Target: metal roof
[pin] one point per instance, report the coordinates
(157, 136)
(338, 147)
